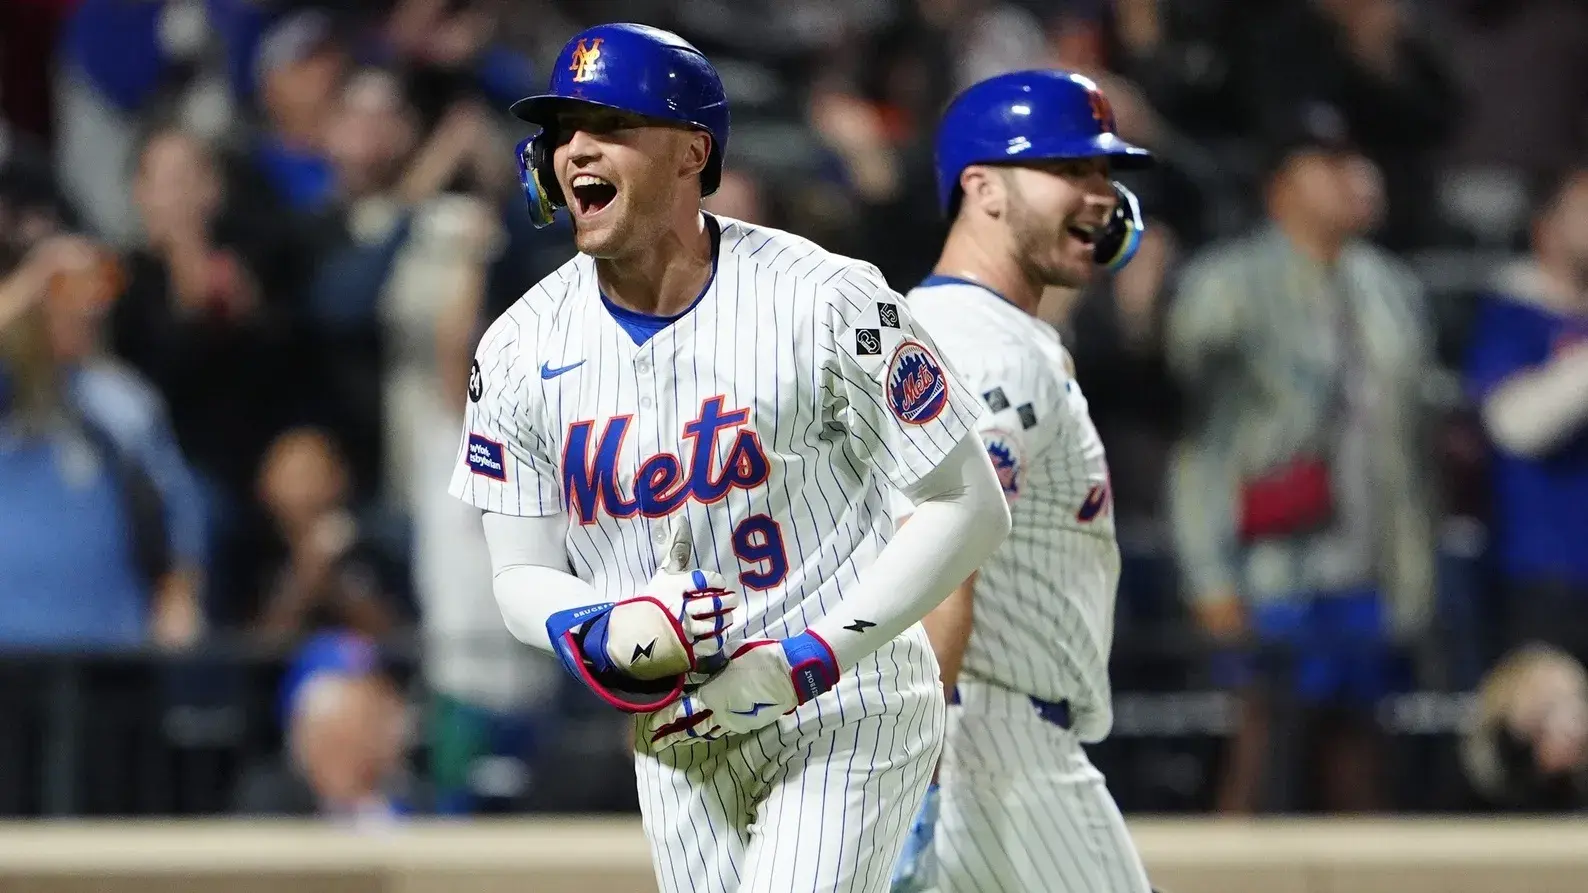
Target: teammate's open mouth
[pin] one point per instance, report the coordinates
(1084, 234)
(592, 193)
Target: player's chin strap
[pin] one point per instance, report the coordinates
(538, 179)
(1121, 235)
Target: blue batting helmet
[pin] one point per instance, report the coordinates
(1029, 116)
(632, 68)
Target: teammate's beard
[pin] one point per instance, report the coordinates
(1034, 238)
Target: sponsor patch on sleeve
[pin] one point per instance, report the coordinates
(486, 458)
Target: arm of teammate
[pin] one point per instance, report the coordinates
(948, 628)
(633, 653)
(906, 415)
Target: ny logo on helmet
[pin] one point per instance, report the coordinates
(585, 57)
(1101, 110)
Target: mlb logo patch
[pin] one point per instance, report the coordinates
(486, 457)
(917, 389)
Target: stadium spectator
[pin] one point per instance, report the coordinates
(329, 575)
(96, 586)
(1394, 88)
(1300, 510)
(209, 317)
(298, 69)
(391, 237)
(1528, 371)
(346, 738)
(1526, 748)
(125, 408)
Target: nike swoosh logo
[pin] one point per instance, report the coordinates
(753, 710)
(547, 372)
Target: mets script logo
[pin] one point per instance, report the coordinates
(663, 482)
(585, 57)
(1101, 110)
(1005, 462)
(917, 389)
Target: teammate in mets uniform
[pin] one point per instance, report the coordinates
(684, 442)
(1023, 164)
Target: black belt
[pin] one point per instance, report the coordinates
(1056, 712)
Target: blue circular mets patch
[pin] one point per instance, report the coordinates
(917, 388)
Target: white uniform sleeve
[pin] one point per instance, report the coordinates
(958, 522)
(887, 386)
(530, 577)
(504, 464)
(1021, 392)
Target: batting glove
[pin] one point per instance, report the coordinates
(635, 653)
(917, 868)
(676, 624)
(765, 679)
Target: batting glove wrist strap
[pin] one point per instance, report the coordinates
(813, 667)
(576, 637)
(766, 679)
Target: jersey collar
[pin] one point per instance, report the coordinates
(641, 326)
(940, 279)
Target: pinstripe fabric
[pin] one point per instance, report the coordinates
(1251, 335)
(1045, 599)
(800, 339)
(1023, 809)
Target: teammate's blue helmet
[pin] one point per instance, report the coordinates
(1026, 116)
(632, 68)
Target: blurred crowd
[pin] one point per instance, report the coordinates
(247, 246)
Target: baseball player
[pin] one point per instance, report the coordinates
(684, 443)
(1023, 168)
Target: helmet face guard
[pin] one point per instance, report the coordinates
(626, 67)
(1121, 235)
(539, 181)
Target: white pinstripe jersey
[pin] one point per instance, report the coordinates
(777, 412)
(1044, 616)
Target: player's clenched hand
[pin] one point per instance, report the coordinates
(677, 623)
(917, 868)
(765, 679)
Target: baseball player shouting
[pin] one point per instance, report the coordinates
(684, 442)
(1023, 163)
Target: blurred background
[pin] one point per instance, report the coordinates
(247, 246)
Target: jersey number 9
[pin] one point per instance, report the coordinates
(758, 541)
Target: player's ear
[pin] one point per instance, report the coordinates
(696, 152)
(984, 190)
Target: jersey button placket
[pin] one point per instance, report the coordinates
(649, 426)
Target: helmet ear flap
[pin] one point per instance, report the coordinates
(1121, 235)
(538, 179)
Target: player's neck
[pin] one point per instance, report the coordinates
(664, 277)
(967, 257)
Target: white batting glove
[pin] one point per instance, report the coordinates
(765, 679)
(678, 623)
